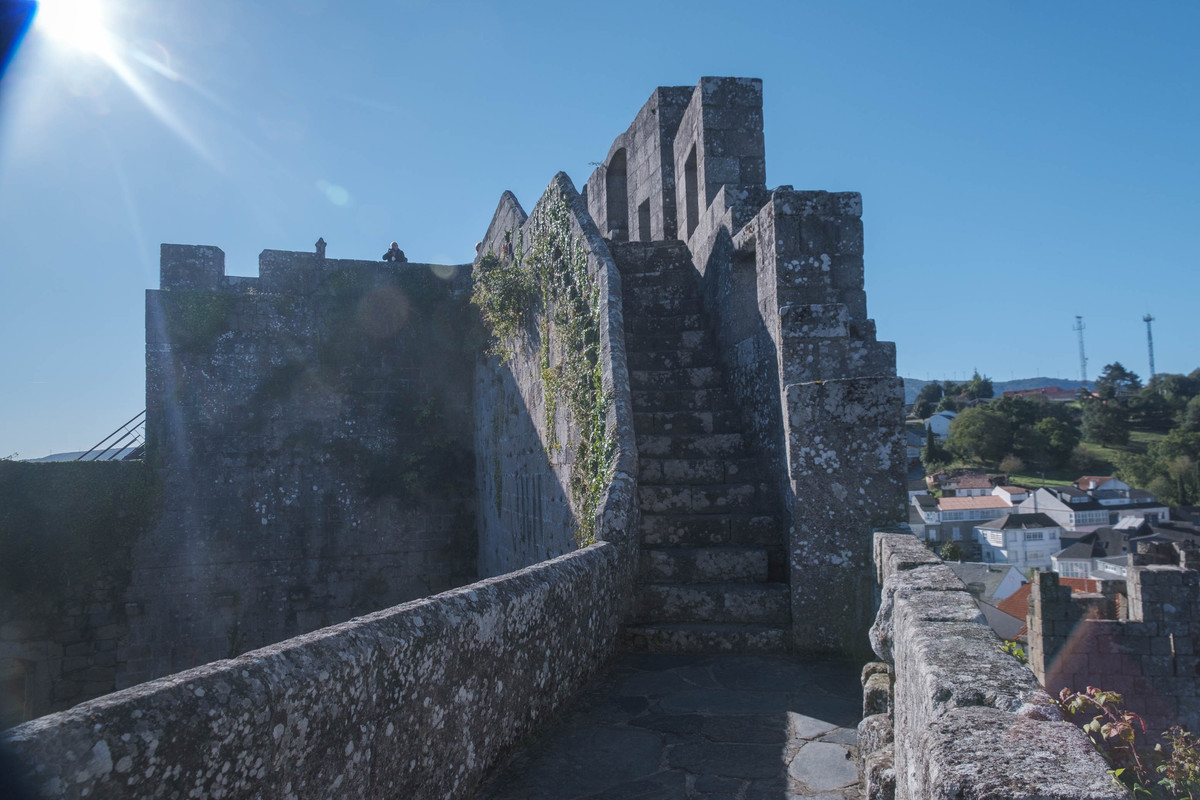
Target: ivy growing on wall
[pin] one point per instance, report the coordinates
(544, 290)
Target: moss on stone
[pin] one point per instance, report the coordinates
(71, 523)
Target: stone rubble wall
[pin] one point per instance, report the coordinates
(1139, 638)
(947, 714)
(312, 430)
(67, 530)
(417, 701)
(524, 508)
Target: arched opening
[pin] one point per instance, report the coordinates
(617, 195)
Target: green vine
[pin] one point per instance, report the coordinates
(547, 291)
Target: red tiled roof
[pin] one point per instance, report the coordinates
(971, 482)
(1091, 481)
(1017, 603)
(966, 503)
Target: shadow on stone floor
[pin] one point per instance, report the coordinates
(752, 727)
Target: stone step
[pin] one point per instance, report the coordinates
(637, 324)
(671, 340)
(659, 300)
(717, 399)
(704, 565)
(711, 637)
(655, 360)
(660, 273)
(751, 603)
(687, 378)
(742, 529)
(689, 422)
(653, 471)
(701, 445)
(702, 498)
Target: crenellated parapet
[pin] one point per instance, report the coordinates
(1137, 637)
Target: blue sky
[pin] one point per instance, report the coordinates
(1020, 163)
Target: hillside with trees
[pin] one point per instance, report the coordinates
(1147, 435)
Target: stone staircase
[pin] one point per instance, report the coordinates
(712, 572)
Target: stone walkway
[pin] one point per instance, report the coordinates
(660, 727)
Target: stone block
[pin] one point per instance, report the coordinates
(877, 694)
(191, 267)
(874, 733)
(878, 773)
(989, 754)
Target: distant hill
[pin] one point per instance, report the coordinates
(912, 386)
(73, 456)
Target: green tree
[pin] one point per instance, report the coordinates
(1104, 422)
(1058, 440)
(980, 387)
(1020, 410)
(933, 455)
(927, 399)
(1117, 382)
(1151, 410)
(951, 552)
(949, 402)
(979, 433)
(1190, 420)
(1170, 469)
(1176, 389)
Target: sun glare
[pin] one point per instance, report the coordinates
(75, 24)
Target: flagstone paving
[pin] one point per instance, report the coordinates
(666, 726)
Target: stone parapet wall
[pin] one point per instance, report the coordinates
(525, 444)
(955, 716)
(417, 701)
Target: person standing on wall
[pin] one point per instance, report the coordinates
(395, 254)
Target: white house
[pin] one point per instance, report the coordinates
(974, 485)
(1012, 494)
(939, 423)
(1027, 541)
(1079, 510)
(959, 514)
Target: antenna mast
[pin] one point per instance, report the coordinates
(1150, 344)
(1078, 328)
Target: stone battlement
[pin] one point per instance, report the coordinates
(202, 268)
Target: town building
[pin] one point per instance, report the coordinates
(1026, 541)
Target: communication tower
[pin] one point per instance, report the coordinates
(1150, 344)
(1079, 326)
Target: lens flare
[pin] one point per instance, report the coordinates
(78, 25)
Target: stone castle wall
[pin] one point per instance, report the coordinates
(418, 701)
(473, 670)
(67, 532)
(781, 272)
(525, 449)
(1139, 637)
(946, 713)
(312, 431)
